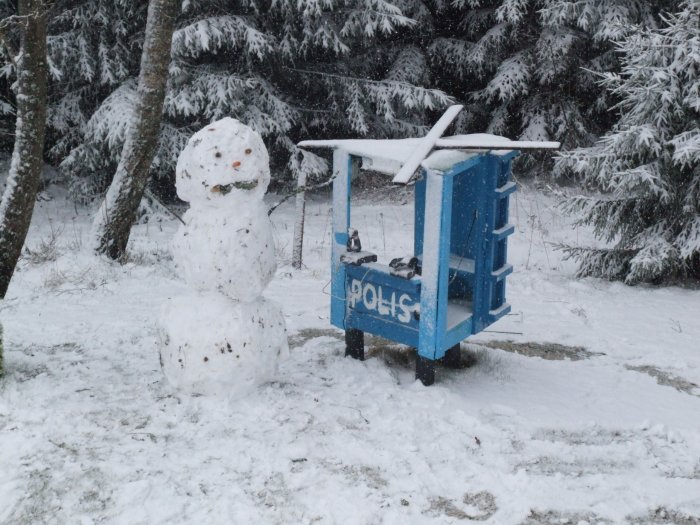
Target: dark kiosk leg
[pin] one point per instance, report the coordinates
(425, 370)
(453, 357)
(355, 343)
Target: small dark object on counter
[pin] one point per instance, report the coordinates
(354, 244)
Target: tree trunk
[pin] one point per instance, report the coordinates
(18, 199)
(117, 213)
(300, 211)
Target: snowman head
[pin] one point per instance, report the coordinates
(222, 162)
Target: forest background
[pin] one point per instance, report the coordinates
(293, 70)
(525, 69)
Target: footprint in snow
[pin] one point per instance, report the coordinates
(475, 506)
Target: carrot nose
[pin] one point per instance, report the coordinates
(236, 163)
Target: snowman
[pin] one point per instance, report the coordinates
(223, 336)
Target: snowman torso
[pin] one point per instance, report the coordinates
(227, 250)
(226, 244)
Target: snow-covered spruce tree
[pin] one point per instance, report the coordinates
(293, 70)
(117, 213)
(527, 67)
(94, 47)
(648, 166)
(288, 70)
(29, 59)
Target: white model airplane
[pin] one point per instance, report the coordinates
(402, 157)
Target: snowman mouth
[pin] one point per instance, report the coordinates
(225, 189)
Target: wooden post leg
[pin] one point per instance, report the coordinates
(355, 344)
(425, 370)
(453, 357)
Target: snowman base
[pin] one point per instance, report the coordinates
(212, 345)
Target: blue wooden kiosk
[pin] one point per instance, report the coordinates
(454, 284)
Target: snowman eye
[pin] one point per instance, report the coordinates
(217, 155)
(248, 151)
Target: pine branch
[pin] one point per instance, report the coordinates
(346, 78)
(5, 25)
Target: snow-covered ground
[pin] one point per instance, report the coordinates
(605, 430)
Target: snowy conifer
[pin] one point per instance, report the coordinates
(94, 51)
(527, 66)
(293, 70)
(30, 63)
(118, 212)
(289, 70)
(648, 166)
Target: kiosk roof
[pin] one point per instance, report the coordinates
(388, 155)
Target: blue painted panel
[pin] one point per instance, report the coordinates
(501, 207)
(483, 249)
(478, 232)
(495, 315)
(419, 215)
(506, 190)
(377, 326)
(503, 232)
(458, 334)
(383, 304)
(502, 272)
(379, 274)
(465, 213)
(504, 168)
(465, 165)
